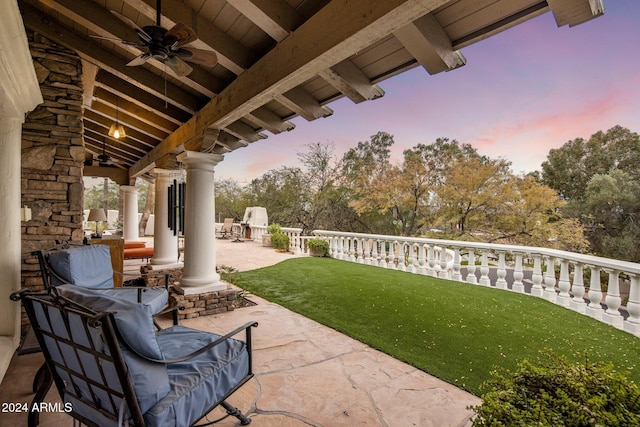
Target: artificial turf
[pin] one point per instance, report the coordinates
(454, 331)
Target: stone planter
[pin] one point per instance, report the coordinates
(266, 240)
(316, 252)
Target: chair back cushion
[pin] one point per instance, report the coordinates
(87, 266)
(135, 324)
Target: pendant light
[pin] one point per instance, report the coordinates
(117, 130)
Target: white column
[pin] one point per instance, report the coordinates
(165, 241)
(129, 193)
(199, 226)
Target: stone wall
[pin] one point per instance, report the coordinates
(52, 155)
(204, 304)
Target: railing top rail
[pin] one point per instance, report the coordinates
(589, 260)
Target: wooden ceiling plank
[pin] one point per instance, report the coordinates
(100, 21)
(353, 83)
(97, 133)
(356, 24)
(140, 97)
(304, 104)
(275, 17)
(427, 41)
(88, 49)
(231, 54)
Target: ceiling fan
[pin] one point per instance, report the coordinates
(166, 46)
(102, 159)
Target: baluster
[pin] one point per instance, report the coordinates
(352, 250)
(612, 314)
(359, 250)
(537, 289)
(564, 285)
(632, 325)
(444, 271)
(484, 268)
(374, 254)
(550, 279)
(431, 256)
(402, 261)
(455, 275)
(577, 302)
(518, 275)
(421, 259)
(413, 260)
(471, 268)
(392, 255)
(594, 309)
(501, 282)
(340, 247)
(383, 254)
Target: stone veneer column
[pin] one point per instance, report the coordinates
(130, 216)
(165, 241)
(200, 274)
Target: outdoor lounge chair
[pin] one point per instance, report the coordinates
(111, 367)
(225, 231)
(89, 266)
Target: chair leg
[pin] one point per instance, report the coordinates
(232, 410)
(33, 418)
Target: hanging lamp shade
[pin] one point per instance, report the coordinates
(117, 131)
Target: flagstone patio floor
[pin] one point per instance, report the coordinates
(306, 374)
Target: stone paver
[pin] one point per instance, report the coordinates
(306, 374)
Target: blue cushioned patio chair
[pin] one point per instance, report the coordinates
(89, 266)
(111, 367)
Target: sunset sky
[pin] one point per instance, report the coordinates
(522, 92)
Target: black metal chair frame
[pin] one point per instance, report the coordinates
(106, 330)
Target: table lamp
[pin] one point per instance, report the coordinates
(97, 215)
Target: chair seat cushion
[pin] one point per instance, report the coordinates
(154, 298)
(198, 383)
(135, 324)
(86, 266)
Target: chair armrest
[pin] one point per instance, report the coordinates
(246, 327)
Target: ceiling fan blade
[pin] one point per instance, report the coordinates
(198, 56)
(141, 33)
(179, 35)
(178, 66)
(139, 60)
(117, 40)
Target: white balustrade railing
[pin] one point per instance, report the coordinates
(295, 245)
(503, 267)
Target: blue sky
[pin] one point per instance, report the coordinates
(522, 92)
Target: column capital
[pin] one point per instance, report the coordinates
(129, 188)
(198, 160)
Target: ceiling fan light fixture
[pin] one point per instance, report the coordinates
(117, 131)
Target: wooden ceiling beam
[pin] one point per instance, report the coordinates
(304, 104)
(231, 54)
(105, 123)
(129, 122)
(48, 26)
(117, 175)
(132, 109)
(355, 24)
(269, 120)
(575, 12)
(275, 17)
(98, 133)
(426, 40)
(140, 97)
(243, 131)
(350, 81)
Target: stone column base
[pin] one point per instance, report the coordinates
(205, 304)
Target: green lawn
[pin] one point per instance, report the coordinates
(455, 331)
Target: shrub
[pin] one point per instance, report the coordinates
(319, 246)
(554, 392)
(274, 228)
(280, 241)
